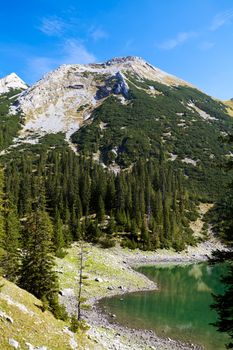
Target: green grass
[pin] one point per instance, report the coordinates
(31, 324)
(136, 131)
(102, 263)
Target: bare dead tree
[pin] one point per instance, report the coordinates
(80, 284)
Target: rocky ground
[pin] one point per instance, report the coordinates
(111, 272)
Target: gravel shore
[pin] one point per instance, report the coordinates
(111, 272)
(123, 338)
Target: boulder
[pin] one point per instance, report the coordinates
(14, 343)
(98, 279)
(7, 318)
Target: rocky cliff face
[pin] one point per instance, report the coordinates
(11, 81)
(64, 98)
(121, 111)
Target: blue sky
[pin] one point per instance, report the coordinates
(192, 39)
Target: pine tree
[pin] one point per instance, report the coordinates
(111, 225)
(1, 204)
(92, 231)
(145, 238)
(224, 302)
(37, 270)
(10, 242)
(100, 209)
(58, 238)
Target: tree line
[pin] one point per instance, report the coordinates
(54, 197)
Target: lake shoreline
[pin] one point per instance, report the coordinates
(145, 338)
(112, 273)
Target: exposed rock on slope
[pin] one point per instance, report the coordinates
(11, 81)
(229, 105)
(23, 324)
(65, 97)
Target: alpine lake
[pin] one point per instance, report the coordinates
(179, 309)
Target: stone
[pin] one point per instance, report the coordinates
(110, 288)
(7, 318)
(98, 279)
(14, 343)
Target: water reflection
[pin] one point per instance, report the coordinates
(180, 308)
(196, 271)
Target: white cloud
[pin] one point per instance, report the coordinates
(98, 34)
(37, 66)
(180, 39)
(129, 44)
(76, 52)
(52, 26)
(221, 19)
(70, 52)
(206, 45)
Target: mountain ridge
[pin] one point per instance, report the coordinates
(11, 81)
(62, 92)
(122, 110)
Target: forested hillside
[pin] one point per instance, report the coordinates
(147, 152)
(186, 122)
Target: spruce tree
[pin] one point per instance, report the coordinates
(37, 274)
(100, 209)
(58, 239)
(10, 259)
(1, 204)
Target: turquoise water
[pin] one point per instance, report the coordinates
(179, 309)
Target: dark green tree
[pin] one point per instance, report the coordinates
(58, 239)
(10, 259)
(100, 209)
(37, 273)
(224, 302)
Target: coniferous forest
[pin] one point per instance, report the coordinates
(116, 175)
(52, 196)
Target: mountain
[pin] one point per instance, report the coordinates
(124, 110)
(112, 153)
(12, 82)
(229, 105)
(122, 139)
(24, 324)
(64, 98)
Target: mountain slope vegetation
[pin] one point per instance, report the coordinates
(119, 152)
(22, 321)
(186, 123)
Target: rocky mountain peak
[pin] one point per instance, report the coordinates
(66, 97)
(124, 59)
(11, 81)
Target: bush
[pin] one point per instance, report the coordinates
(76, 325)
(126, 243)
(107, 243)
(58, 310)
(178, 246)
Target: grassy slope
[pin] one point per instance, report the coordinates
(30, 324)
(103, 264)
(229, 105)
(137, 129)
